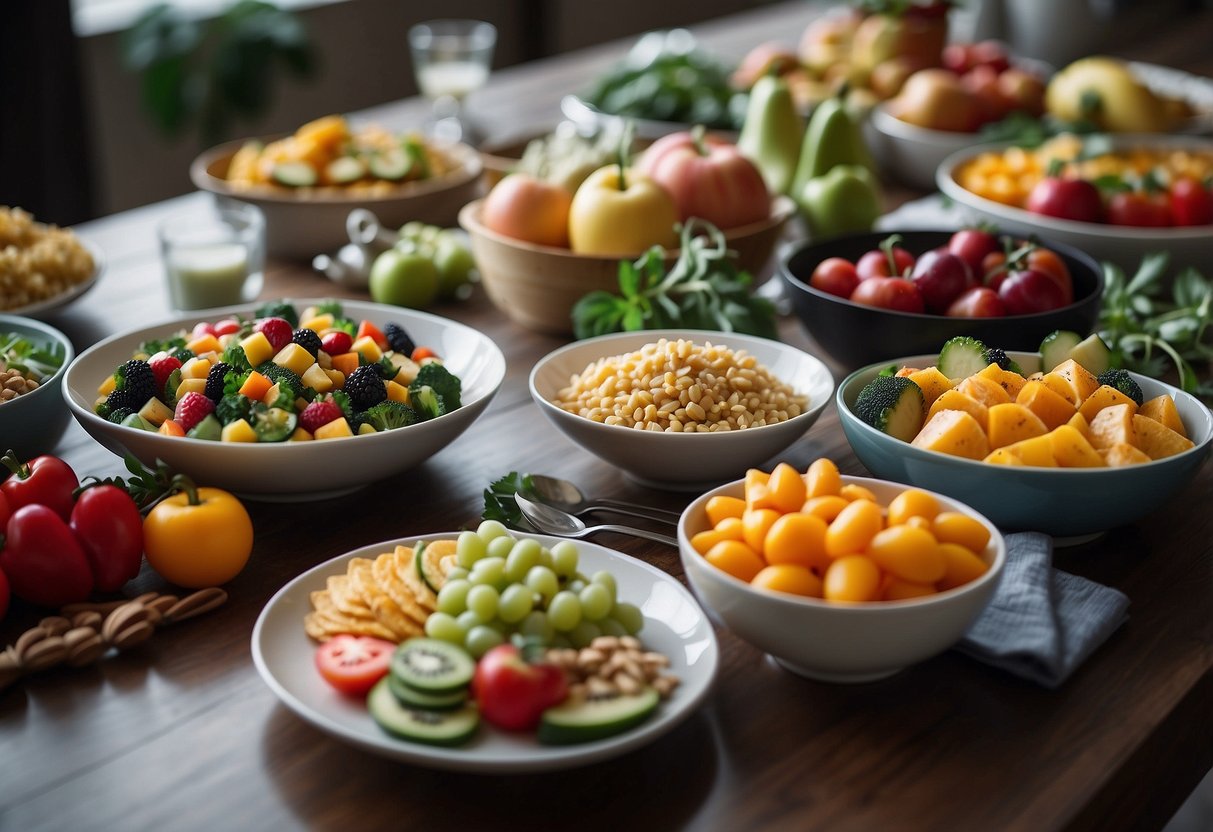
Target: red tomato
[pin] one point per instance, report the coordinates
(513, 693)
(43, 560)
(44, 480)
(993, 269)
(875, 263)
(1051, 265)
(353, 664)
(835, 275)
(977, 302)
(1067, 199)
(1140, 209)
(941, 277)
(109, 527)
(5, 510)
(1028, 291)
(708, 177)
(889, 293)
(1191, 202)
(227, 326)
(973, 245)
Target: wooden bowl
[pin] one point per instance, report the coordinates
(537, 286)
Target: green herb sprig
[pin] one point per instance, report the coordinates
(499, 500)
(26, 357)
(1150, 332)
(703, 289)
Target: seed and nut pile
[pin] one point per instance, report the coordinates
(38, 261)
(612, 665)
(683, 387)
(14, 383)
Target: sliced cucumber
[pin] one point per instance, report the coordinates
(294, 174)
(961, 357)
(209, 428)
(427, 567)
(136, 421)
(412, 698)
(1056, 348)
(1092, 353)
(418, 724)
(274, 424)
(893, 405)
(584, 720)
(391, 164)
(432, 666)
(344, 170)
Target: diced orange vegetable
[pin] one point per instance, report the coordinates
(1104, 396)
(204, 343)
(797, 538)
(1072, 450)
(169, 427)
(822, 479)
(955, 400)
(346, 362)
(1053, 408)
(1011, 422)
(1162, 409)
(1157, 440)
(961, 565)
(955, 432)
(736, 558)
(366, 328)
(721, 506)
(852, 578)
(423, 352)
(787, 577)
(908, 553)
(932, 383)
(853, 528)
(728, 529)
(786, 488)
(755, 524)
(955, 527)
(1010, 381)
(255, 386)
(913, 502)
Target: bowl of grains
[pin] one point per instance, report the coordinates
(42, 266)
(681, 409)
(33, 359)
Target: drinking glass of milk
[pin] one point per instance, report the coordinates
(214, 257)
(451, 59)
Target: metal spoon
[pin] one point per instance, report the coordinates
(554, 521)
(566, 496)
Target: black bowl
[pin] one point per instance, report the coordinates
(854, 335)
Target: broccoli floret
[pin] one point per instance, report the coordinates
(167, 345)
(233, 407)
(117, 415)
(1122, 381)
(286, 378)
(445, 383)
(330, 307)
(234, 356)
(893, 405)
(386, 369)
(278, 309)
(342, 400)
(388, 415)
(427, 402)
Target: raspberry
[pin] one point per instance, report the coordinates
(162, 368)
(277, 331)
(336, 342)
(192, 409)
(319, 413)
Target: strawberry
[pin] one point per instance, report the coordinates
(192, 409)
(228, 326)
(162, 367)
(276, 330)
(318, 414)
(336, 342)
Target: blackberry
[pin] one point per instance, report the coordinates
(137, 379)
(308, 339)
(994, 355)
(214, 381)
(365, 388)
(117, 400)
(398, 339)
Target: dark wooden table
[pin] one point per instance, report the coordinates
(181, 733)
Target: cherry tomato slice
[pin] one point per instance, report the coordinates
(353, 664)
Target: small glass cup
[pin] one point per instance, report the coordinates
(214, 259)
(451, 59)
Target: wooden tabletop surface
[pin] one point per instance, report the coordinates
(183, 733)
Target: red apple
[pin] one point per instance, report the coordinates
(708, 177)
(984, 83)
(513, 693)
(977, 302)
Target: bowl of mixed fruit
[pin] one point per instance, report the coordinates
(289, 398)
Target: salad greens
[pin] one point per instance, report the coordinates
(499, 502)
(28, 358)
(1149, 330)
(702, 290)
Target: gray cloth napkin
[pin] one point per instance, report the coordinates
(1042, 623)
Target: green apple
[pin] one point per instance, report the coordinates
(455, 264)
(404, 278)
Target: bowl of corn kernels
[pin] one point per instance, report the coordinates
(1115, 197)
(308, 182)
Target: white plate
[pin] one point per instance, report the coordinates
(674, 624)
(31, 310)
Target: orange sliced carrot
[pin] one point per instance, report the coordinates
(171, 428)
(255, 386)
(423, 352)
(368, 328)
(346, 362)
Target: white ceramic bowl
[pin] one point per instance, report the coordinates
(909, 153)
(1123, 245)
(301, 224)
(838, 642)
(682, 461)
(32, 423)
(296, 470)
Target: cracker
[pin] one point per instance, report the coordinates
(407, 569)
(387, 577)
(389, 614)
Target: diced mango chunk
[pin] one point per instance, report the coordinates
(1072, 380)
(204, 343)
(1072, 450)
(1003, 456)
(317, 379)
(295, 358)
(1113, 426)
(1162, 409)
(955, 400)
(257, 348)
(954, 432)
(191, 385)
(1010, 422)
(932, 382)
(397, 392)
(1037, 451)
(1104, 396)
(1053, 408)
(334, 429)
(1010, 381)
(195, 368)
(1157, 440)
(367, 348)
(984, 390)
(238, 431)
(1122, 454)
(299, 435)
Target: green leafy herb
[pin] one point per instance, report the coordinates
(702, 290)
(147, 486)
(1151, 333)
(499, 502)
(28, 358)
(166, 345)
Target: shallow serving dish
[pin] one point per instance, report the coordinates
(854, 334)
(910, 153)
(1071, 503)
(537, 286)
(1121, 244)
(838, 642)
(302, 224)
(673, 624)
(296, 470)
(681, 461)
(32, 423)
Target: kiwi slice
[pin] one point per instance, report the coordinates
(432, 666)
(419, 724)
(413, 698)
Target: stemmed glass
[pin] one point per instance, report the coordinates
(451, 59)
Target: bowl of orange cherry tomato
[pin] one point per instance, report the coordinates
(839, 578)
